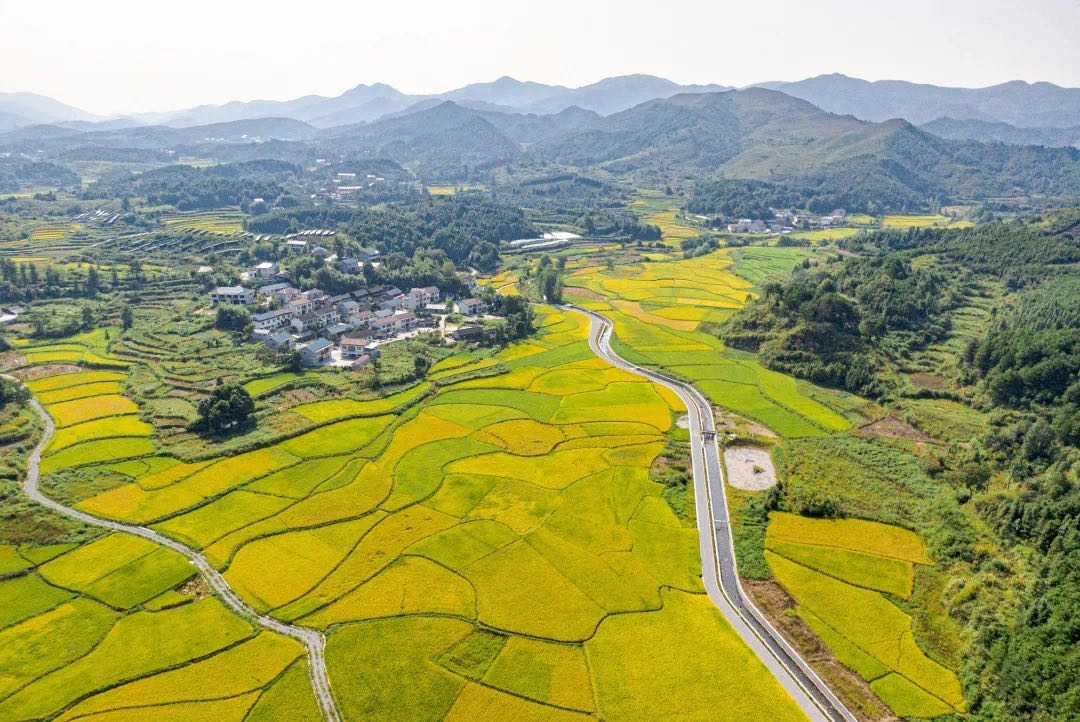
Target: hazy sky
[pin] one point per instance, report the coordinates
(109, 56)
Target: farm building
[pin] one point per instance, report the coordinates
(353, 347)
(233, 294)
(272, 319)
(316, 352)
(280, 341)
(472, 306)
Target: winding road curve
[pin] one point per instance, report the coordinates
(312, 639)
(721, 577)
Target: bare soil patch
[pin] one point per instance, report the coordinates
(894, 427)
(583, 293)
(683, 422)
(37, 372)
(726, 419)
(196, 587)
(929, 381)
(778, 606)
(749, 467)
(11, 360)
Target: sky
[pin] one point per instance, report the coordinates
(114, 56)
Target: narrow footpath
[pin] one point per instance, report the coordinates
(718, 568)
(312, 639)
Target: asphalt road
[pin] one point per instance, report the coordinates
(719, 571)
(312, 639)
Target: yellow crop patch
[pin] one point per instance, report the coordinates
(553, 471)
(299, 560)
(411, 585)
(552, 673)
(523, 436)
(60, 381)
(67, 413)
(863, 536)
(98, 429)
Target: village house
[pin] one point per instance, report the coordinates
(233, 294)
(391, 325)
(470, 333)
(316, 352)
(361, 319)
(272, 319)
(353, 347)
(420, 297)
(336, 330)
(367, 254)
(280, 341)
(296, 245)
(272, 288)
(348, 265)
(471, 307)
(265, 269)
(349, 308)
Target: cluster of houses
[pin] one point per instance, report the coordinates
(786, 222)
(350, 324)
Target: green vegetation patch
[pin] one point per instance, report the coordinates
(339, 438)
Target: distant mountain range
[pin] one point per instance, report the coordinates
(1025, 105)
(971, 113)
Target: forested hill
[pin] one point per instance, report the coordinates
(858, 322)
(765, 135)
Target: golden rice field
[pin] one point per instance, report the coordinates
(839, 572)
(915, 221)
(496, 544)
(658, 308)
(220, 222)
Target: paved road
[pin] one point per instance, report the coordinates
(310, 638)
(719, 571)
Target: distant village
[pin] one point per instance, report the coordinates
(783, 222)
(345, 329)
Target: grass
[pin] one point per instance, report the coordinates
(653, 685)
(260, 387)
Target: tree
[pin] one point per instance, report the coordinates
(93, 281)
(227, 406)
(87, 317)
(231, 318)
(126, 317)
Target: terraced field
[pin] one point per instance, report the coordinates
(219, 222)
(840, 572)
(659, 309)
(497, 546)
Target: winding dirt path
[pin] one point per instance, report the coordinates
(312, 639)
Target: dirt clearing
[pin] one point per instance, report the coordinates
(749, 468)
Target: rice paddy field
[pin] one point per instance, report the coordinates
(844, 575)
(662, 308)
(219, 222)
(662, 212)
(496, 544)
